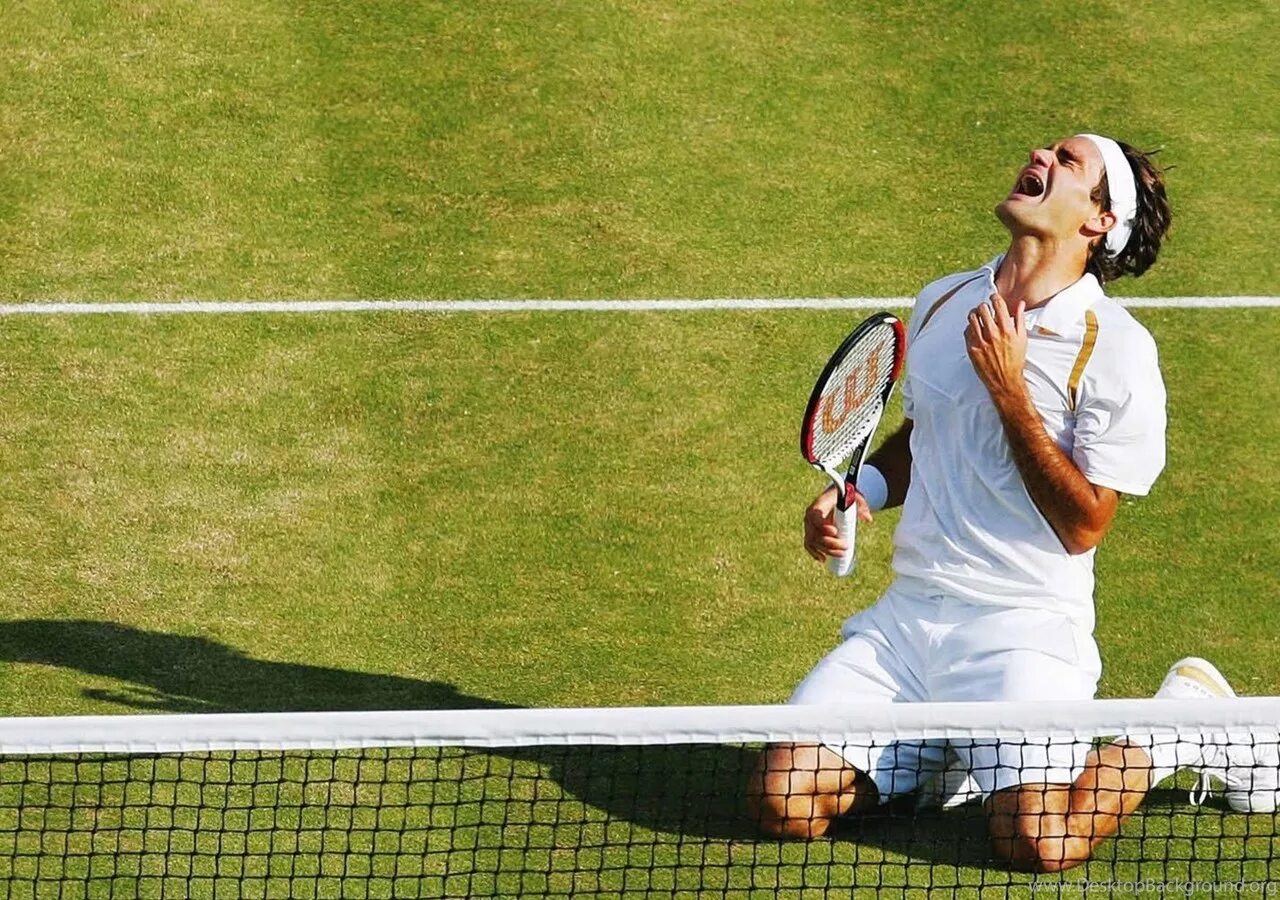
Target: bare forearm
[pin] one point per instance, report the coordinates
(1078, 512)
(893, 459)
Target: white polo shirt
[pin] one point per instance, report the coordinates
(969, 528)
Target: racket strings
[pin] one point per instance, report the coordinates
(852, 397)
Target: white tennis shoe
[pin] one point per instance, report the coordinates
(1247, 763)
(1193, 678)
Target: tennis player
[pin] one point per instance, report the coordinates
(1032, 402)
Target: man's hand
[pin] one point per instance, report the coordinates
(1078, 512)
(997, 343)
(820, 536)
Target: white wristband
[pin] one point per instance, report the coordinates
(873, 487)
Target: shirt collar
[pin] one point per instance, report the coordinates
(1065, 308)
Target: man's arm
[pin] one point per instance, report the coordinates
(1079, 512)
(893, 459)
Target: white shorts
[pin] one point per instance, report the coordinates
(909, 648)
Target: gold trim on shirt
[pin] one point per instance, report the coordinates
(1082, 358)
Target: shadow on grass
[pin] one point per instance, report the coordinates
(954, 837)
(663, 788)
(178, 673)
(681, 790)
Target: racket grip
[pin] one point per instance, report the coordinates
(846, 525)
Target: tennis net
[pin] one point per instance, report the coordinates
(591, 802)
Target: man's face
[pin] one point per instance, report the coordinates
(1050, 197)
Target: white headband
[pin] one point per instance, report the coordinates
(1121, 187)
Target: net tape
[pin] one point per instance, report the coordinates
(630, 725)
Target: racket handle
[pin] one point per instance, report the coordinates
(846, 526)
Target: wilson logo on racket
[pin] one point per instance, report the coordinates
(858, 388)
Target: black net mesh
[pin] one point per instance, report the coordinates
(547, 821)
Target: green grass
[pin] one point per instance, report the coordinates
(246, 148)
(390, 511)
(398, 511)
(539, 510)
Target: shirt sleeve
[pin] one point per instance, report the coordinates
(1119, 439)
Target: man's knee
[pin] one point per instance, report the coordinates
(1030, 853)
(787, 817)
(797, 790)
(782, 796)
(1028, 829)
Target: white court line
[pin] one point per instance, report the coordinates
(43, 308)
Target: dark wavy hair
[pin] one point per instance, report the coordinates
(1150, 222)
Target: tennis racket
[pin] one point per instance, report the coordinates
(844, 411)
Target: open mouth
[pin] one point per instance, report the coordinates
(1030, 185)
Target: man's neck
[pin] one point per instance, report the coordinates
(1034, 270)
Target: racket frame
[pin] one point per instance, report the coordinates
(846, 484)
